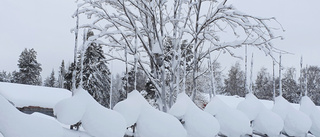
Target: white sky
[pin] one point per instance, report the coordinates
(45, 26)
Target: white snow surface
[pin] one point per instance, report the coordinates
(233, 122)
(97, 120)
(296, 123)
(268, 122)
(150, 121)
(14, 123)
(251, 106)
(310, 109)
(197, 122)
(264, 120)
(26, 95)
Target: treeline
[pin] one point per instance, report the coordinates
(97, 79)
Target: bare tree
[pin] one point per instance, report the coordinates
(118, 22)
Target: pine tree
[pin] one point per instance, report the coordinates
(62, 72)
(96, 74)
(290, 87)
(29, 68)
(50, 81)
(234, 84)
(263, 85)
(68, 77)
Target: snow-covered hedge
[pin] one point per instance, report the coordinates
(229, 116)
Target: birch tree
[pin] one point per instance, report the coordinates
(201, 22)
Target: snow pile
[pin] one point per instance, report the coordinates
(97, 120)
(197, 122)
(251, 106)
(233, 122)
(269, 123)
(27, 95)
(13, 123)
(310, 109)
(150, 121)
(264, 120)
(296, 123)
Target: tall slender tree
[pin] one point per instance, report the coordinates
(62, 73)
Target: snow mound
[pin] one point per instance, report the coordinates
(233, 122)
(251, 106)
(96, 119)
(296, 123)
(197, 122)
(310, 109)
(131, 107)
(150, 121)
(27, 95)
(268, 122)
(264, 120)
(13, 123)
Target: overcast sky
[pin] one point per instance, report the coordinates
(45, 26)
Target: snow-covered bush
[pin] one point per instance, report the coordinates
(197, 122)
(149, 121)
(310, 109)
(296, 123)
(233, 122)
(97, 120)
(263, 120)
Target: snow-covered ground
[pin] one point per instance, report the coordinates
(228, 115)
(26, 95)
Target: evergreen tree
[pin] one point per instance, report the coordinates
(263, 85)
(62, 73)
(96, 74)
(311, 76)
(234, 84)
(5, 77)
(50, 81)
(29, 68)
(141, 80)
(290, 87)
(68, 77)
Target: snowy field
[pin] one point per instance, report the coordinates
(224, 115)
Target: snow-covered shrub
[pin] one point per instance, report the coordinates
(296, 123)
(233, 122)
(197, 122)
(97, 120)
(150, 121)
(263, 120)
(310, 109)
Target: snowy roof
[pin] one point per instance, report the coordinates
(27, 95)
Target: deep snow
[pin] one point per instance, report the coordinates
(197, 122)
(150, 121)
(26, 95)
(97, 120)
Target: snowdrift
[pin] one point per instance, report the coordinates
(97, 120)
(263, 120)
(197, 122)
(233, 122)
(310, 109)
(14, 123)
(149, 121)
(296, 123)
(27, 95)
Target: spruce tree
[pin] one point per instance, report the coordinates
(62, 72)
(96, 74)
(29, 68)
(50, 81)
(234, 84)
(68, 77)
